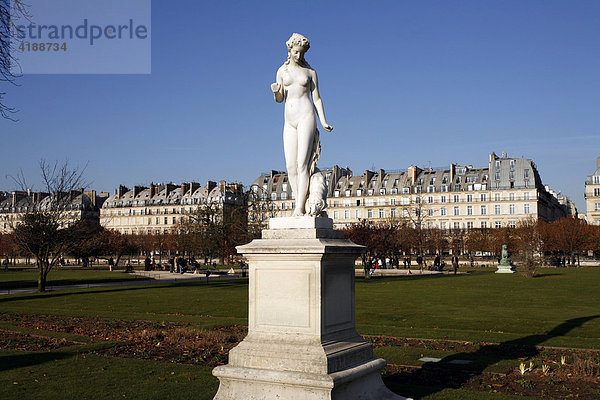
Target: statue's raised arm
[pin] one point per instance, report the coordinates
(296, 82)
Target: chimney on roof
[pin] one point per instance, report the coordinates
(452, 172)
(598, 163)
(193, 187)
(122, 190)
(503, 154)
(137, 190)
(222, 187)
(412, 174)
(169, 187)
(184, 188)
(210, 185)
(381, 174)
(152, 190)
(493, 156)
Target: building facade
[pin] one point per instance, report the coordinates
(160, 208)
(79, 204)
(592, 195)
(459, 197)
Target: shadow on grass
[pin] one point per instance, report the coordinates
(435, 377)
(13, 361)
(159, 285)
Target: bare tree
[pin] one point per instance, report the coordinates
(10, 13)
(45, 229)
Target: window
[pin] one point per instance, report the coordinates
(283, 195)
(483, 210)
(511, 196)
(483, 197)
(498, 224)
(336, 215)
(418, 200)
(430, 189)
(429, 199)
(444, 188)
(392, 202)
(430, 212)
(382, 191)
(293, 205)
(442, 199)
(511, 175)
(443, 211)
(359, 192)
(596, 191)
(394, 191)
(526, 209)
(284, 206)
(526, 174)
(358, 214)
(370, 202)
(469, 198)
(274, 196)
(456, 198)
(381, 213)
(457, 188)
(497, 175)
(497, 197)
(393, 213)
(347, 203)
(417, 189)
(511, 209)
(526, 196)
(405, 190)
(483, 224)
(596, 179)
(348, 193)
(444, 225)
(404, 213)
(512, 224)
(456, 225)
(470, 225)
(497, 164)
(369, 213)
(404, 200)
(166, 222)
(497, 209)
(512, 164)
(370, 192)
(597, 207)
(381, 202)
(469, 210)
(456, 210)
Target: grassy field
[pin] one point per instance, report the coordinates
(27, 277)
(558, 308)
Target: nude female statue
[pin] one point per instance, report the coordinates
(296, 82)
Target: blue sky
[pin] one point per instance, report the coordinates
(404, 83)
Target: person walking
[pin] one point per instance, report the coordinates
(420, 262)
(455, 263)
(5, 263)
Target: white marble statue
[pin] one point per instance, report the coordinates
(296, 82)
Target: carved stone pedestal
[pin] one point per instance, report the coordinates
(302, 343)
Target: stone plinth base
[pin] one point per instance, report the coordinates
(302, 343)
(360, 382)
(506, 269)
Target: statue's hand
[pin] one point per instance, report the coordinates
(327, 127)
(275, 87)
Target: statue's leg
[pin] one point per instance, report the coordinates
(290, 149)
(306, 131)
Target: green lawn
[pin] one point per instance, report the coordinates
(60, 276)
(558, 308)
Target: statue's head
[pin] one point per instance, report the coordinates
(504, 247)
(297, 46)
